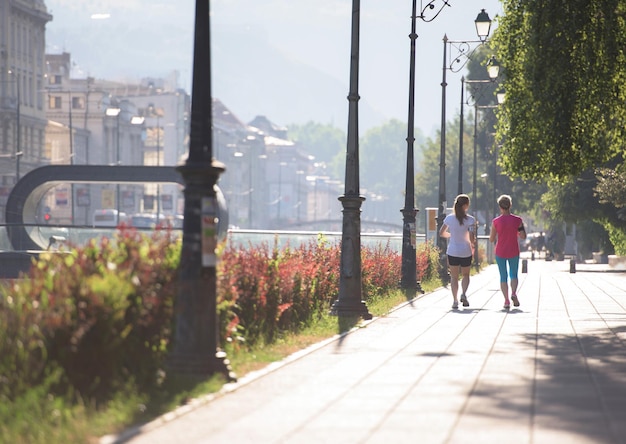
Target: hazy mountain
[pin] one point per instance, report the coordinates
(287, 59)
(250, 75)
(283, 89)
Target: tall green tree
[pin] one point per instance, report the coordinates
(324, 141)
(382, 153)
(565, 85)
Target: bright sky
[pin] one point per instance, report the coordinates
(315, 32)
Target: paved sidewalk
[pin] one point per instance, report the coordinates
(552, 370)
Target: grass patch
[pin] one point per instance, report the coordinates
(56, 420)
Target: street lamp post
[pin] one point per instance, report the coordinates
(158, 150)
(280, 189)
(495, 180)
(71, 131)
(195, 350)
(408, 279)
(157, 113)
(462, 118)
(483, 25)
(349, 302)
(486, 199)
(493, 69)
(116, 112)
(474, 184)
(299, 174)
(250, 182)
(474, 202)
(18, 127)
(135, 121)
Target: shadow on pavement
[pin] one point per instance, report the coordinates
(580, 382)
(467, 310)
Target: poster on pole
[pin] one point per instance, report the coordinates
(148, 202)
(128, 199)
(108, 199)
(209, 231)
(61, 196)
(166, 202)
(83, 199)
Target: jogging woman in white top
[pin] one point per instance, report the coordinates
(459, 228)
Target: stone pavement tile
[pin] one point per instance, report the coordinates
(549, 435)
(568, 426)
(427, 374)
(437, 402)
(413, 427)
(335, 435)
(618, 429)
(500, 378)
(397, 436)
(494, 429)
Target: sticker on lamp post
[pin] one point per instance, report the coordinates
(209, 231)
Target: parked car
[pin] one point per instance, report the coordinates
(145, 220)
(108, 218)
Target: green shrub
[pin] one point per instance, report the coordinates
(103, 314)
(102, 311)
(617, 236)
(273, 290)
(427, 262)
(380, 270)
(23, 352)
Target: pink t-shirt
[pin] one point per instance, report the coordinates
(507, 245)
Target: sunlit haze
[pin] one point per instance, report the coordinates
(283, 59)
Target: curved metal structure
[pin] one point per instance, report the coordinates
(22, 204)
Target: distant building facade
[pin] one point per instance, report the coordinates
(49, 117)
(22, 71)
(104, 130)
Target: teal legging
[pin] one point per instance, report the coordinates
(513, 266)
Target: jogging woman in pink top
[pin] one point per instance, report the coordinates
(506, 229)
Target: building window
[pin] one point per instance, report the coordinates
(55, 79)
(54, 102)
(78, 102)
(39, 94)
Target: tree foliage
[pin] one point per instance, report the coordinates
(323, 141)
(383, 154)
(611, 187)
(565, 85)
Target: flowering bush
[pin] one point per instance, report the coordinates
(103, 314)
(275, 290)
(427, 262)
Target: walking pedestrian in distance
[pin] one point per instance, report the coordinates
(506, 229)
(459, 228)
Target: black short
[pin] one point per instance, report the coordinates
(454, 261)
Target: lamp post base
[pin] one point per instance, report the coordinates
(196, 351)
(192, 365)
(444, 274)
(349, 308)
(408, 281)
(411, 288)
(349, 301)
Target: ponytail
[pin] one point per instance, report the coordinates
(460, 201)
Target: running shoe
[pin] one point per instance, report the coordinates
(464, 300)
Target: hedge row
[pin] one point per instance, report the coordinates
(102, 314)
